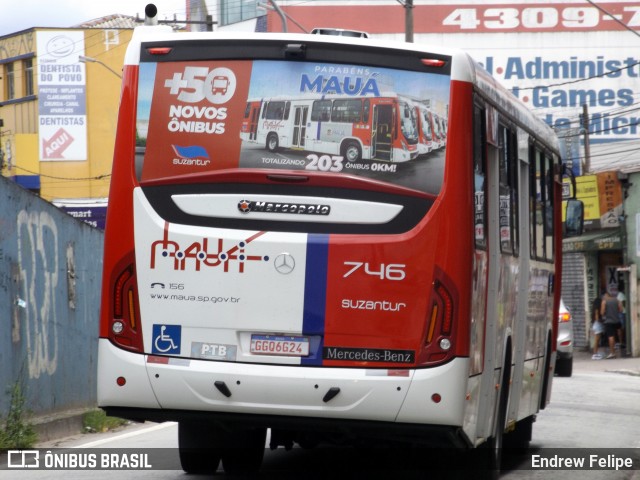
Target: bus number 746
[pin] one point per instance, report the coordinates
(393, 271)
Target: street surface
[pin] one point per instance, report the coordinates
(598, 407)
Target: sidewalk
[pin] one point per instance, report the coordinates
(582, 362)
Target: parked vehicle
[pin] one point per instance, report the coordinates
(564, 360)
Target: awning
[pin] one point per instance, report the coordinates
(610, 239)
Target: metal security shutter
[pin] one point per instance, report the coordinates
(573, 294)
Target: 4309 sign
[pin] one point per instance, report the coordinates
(541, 18)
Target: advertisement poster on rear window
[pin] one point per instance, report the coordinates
(384, 124)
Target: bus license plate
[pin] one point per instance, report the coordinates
(280, 345)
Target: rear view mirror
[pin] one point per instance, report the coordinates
(574, 223)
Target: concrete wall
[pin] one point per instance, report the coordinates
(50, 276)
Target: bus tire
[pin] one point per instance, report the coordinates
(272, 142)
(519, 439)
(488, 460)
(564, 367)
(199, 452)
(490, 454)
(351, 151)
(245, 452)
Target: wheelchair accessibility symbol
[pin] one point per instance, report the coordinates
(166, 339)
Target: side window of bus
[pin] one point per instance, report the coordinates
(247, 110)
(509, 198)
(480, 176)
(287, 109)
(275, 110)
(347, 111)
(321, 111)
(514, 185)
(549, 205)
(541, 212)
(504, 191)
(365, 110)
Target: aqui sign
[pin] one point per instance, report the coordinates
(62, 112)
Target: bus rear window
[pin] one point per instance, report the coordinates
(199, 117)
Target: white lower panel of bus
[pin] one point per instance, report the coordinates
(365, 394)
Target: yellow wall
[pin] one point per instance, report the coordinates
(26, 148)
(67, 179)
(103, 96)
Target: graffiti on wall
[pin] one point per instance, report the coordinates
(38, 264)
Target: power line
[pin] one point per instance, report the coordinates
(609, 114)
(68, 179)
(602, 130)
(613, 17)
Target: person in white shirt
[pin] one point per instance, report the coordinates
(622, 298)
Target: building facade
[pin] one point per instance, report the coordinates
(59, 96)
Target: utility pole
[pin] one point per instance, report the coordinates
(408, 21)
(585, 131)
(281, 13)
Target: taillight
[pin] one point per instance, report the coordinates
(564, 317)
(433, 62)
(438, 341)
(159, 50)
(124, 328)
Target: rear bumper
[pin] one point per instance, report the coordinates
(564, 354)
(439, 436)
(163, 388)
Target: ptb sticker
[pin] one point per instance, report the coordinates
(166, 339)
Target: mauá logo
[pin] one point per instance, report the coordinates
(340, 86)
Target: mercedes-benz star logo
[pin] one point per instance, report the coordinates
(284, 263)
(244, 206)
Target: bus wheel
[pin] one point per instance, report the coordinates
(245, 451)
(199, 452)
(488, 458)
(519, 439)
(564, 367)
(491, 452)
(272, 142)
(351, 151)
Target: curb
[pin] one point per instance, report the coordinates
(59, 425)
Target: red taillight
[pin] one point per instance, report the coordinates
(447, 313)
(159, 50)
(564, 317)
(119, 292)
(124, 328)
(433, 62)
(438, 342)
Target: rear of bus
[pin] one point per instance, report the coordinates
(296, 291)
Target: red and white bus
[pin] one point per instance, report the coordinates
(316, 297)
(426, 142)
(354, 127)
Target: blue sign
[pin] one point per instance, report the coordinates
(166, 339)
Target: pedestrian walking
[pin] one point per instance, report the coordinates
(610, 311)
(622, 298)
(597, 327)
